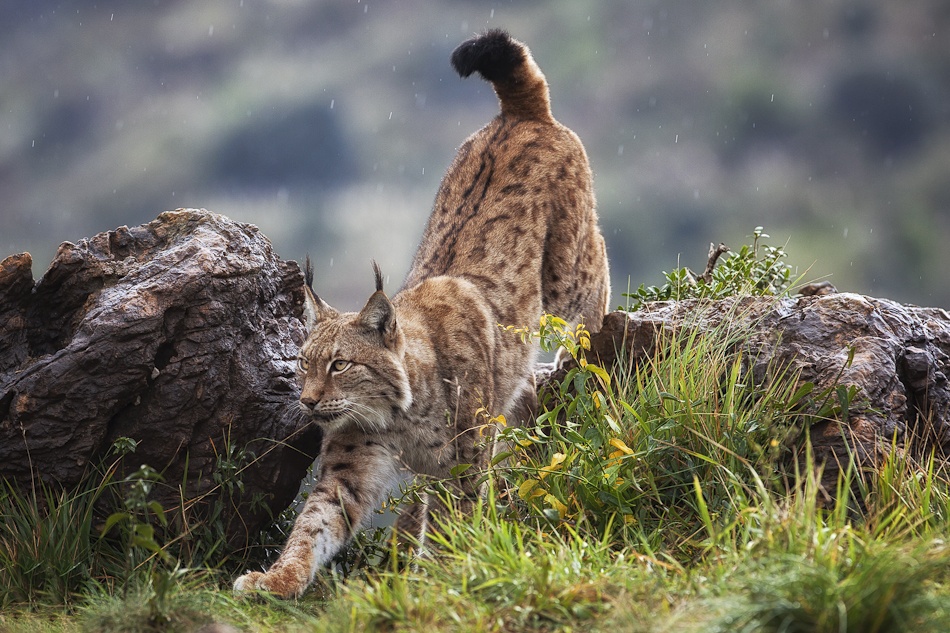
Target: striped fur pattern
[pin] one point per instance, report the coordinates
(396, 386)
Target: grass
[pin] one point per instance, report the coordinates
(676, 494)
(47, 547)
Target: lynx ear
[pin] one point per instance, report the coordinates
(315, 309)
(379, 314)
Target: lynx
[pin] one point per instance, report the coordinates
(397, 386)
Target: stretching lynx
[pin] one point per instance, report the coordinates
(396, 386)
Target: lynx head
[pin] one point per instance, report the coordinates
(351, 365)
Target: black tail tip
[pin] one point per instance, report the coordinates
(493, 54)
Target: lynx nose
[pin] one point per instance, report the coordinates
(309, 396)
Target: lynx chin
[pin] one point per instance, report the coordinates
(513, 233)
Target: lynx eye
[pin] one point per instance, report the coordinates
(339, 366)
(302, 364)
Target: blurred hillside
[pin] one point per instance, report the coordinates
(329, 124)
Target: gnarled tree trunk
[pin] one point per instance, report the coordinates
(180, 334)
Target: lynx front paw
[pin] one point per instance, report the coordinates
(250, 581)
(283, 585)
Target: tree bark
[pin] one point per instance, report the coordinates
(181, 334)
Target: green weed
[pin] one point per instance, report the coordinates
(756, 269)
(47, 549)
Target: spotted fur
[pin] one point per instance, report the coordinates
(396, 386)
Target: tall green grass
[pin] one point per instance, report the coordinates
(48, 552)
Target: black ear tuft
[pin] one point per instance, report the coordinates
(315, 309)
(379, 276)
(495, 55)
(379, 314)
(308, 273)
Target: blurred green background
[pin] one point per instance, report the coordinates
(329, 124)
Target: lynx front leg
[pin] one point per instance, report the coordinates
(356, 472)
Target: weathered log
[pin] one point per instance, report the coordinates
(899, 365)
(181, 334)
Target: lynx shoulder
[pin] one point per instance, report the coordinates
(397, 386)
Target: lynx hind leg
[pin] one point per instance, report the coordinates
(580, 295)
(415, 523)
(576, 280)
(411, 525)
(524, 406)
(598, 301)
(419, 522)
(592, 283)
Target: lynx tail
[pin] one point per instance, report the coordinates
(508, 65)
